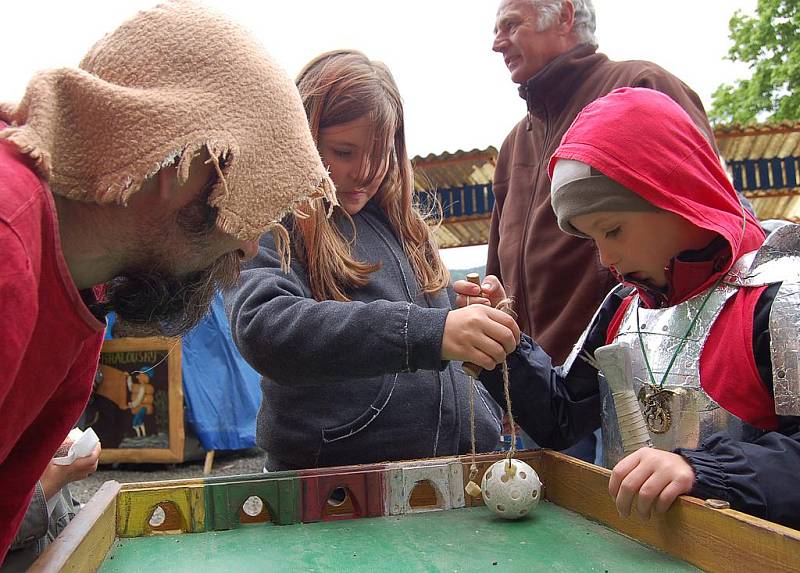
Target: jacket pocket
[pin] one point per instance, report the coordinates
(360, 422)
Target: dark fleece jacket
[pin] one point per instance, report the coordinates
(354, 382)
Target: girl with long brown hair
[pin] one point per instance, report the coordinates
(356, 341)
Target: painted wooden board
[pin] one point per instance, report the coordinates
(464, 540)
(430, 525)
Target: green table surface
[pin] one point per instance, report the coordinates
(460, 540)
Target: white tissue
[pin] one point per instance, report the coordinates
(82, 446)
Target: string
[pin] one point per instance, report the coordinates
(473, 468)
(506, 306)
(513, 449)
(151, 368)
(680, 346)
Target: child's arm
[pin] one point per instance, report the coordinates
(284, 333)
(552, 415)
(758, 477)
(556, 408)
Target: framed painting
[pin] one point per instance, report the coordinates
(136, 408)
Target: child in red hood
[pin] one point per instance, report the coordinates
(698, 345)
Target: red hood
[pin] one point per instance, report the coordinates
(645, 141)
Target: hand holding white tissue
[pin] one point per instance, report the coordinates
(83, 444)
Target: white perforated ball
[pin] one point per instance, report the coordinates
(511, 496)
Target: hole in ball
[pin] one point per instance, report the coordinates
(501, 508)
(515, 494)
(523, 475)
(488, 475)
(535, 494)
(504, 478)
(523, 511)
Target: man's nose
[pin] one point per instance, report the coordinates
(499, 43)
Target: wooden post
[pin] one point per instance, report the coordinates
(209, 462)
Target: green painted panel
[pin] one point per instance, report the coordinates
(461, 540)
(223, 500)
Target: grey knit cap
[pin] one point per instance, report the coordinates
(579, 189)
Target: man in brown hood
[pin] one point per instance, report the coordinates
(134, 183)
(550, 50)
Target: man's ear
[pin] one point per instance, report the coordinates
(566, 18)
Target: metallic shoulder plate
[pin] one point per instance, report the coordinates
(777, 260)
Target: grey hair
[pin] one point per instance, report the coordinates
(585, 20)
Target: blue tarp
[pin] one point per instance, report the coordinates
(221, 391)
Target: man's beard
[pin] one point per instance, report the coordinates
(152, 301)
(157, 303)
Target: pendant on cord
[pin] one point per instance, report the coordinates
(656, 407)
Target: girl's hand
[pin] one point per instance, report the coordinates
(490, 292)
(479, 334)
(655, 476)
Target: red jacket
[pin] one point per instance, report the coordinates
(50, 342)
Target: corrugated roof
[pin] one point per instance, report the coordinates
(736, 143)
(448, 170)
(757, 141)
(780, 207)
(463, 233)
(764, 141)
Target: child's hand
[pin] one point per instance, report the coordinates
(479, 334)
(490, 292)
(55, 476)
(656, 476)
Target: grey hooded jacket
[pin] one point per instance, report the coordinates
(355, 382)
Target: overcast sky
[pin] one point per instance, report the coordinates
(457, 92)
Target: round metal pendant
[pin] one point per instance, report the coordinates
(656, 408)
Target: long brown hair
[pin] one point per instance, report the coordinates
(339, 87)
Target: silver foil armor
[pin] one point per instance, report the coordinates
(695, 415)
(778, 260)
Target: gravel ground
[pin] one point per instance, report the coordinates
(225, 463)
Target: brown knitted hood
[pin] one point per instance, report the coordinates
(166, 84)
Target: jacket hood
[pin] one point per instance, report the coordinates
(645, 141)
